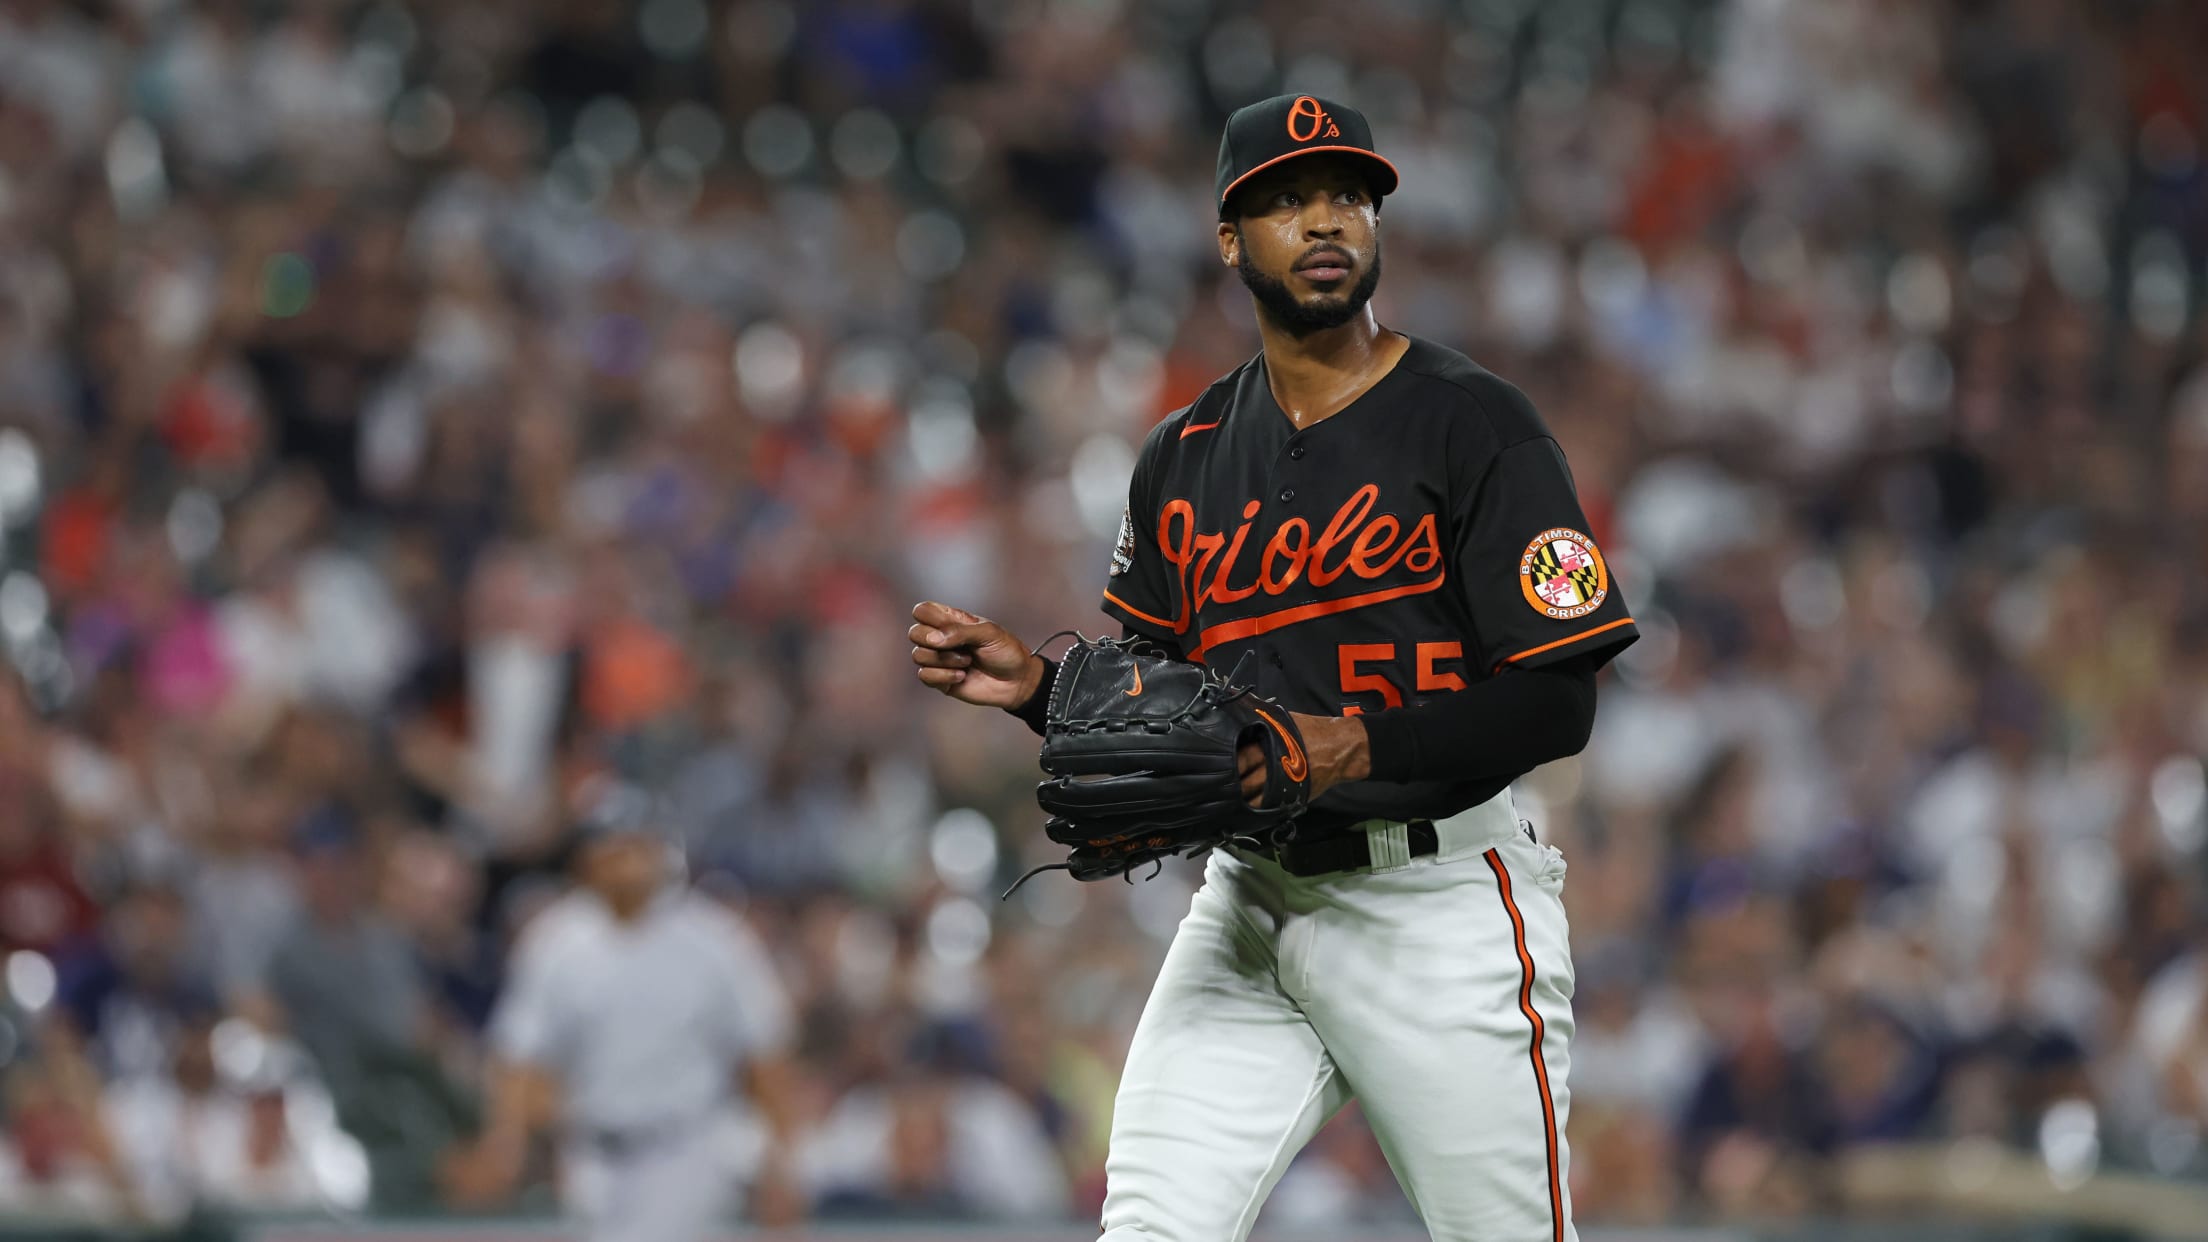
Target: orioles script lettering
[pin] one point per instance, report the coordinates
(1215, 567)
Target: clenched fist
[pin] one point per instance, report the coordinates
(972, 659)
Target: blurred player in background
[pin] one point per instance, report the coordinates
(635, 1009)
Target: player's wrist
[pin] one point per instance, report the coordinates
(1356, 757)
(1035, 700)
(1031, 681)
(1339, 747)
(506, 1140)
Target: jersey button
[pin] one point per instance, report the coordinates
(1287, 494)
(1296, 452)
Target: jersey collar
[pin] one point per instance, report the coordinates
(1363, 400)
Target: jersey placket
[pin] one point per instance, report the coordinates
(1284, 475)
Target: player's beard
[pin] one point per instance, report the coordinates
(1277, 302)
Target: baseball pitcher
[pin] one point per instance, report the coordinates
(1359, 599)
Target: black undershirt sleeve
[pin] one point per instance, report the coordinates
(1032, 712)
(1504, 726)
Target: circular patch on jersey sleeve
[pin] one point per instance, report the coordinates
(1563, 575)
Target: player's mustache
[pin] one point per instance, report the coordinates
(1312, 256)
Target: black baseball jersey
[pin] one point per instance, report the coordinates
(1422, 539)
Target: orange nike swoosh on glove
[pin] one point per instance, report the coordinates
(1291, 755)
(1138, 683)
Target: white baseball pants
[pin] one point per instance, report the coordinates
(676, 1187)
(1435, 990)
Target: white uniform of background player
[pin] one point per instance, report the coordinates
(635, 1005)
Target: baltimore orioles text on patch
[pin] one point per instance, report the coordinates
(1562, 574)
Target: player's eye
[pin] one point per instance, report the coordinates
(1287, 198)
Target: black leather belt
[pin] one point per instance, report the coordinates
(1351, 849)
(1348, 851)
(622, 1143)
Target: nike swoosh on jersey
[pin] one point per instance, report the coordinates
(1193, 428)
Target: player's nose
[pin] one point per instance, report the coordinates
(1322, 216)
(1323, 222)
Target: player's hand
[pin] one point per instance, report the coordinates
(483, 1174)
(777, 1201)
(1335, 745)
(972, 659)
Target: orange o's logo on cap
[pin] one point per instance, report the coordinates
(1308, 120)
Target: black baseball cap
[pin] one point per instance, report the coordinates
(1286, 126)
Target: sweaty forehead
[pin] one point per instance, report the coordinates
(1325, 171)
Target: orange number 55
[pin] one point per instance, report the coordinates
(1428, 678)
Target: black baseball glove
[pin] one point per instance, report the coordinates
(1142, 754)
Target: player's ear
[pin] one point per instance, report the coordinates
(1230, 242)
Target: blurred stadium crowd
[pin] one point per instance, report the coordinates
(410, 411)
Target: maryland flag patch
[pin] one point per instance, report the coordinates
(1563, 575)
